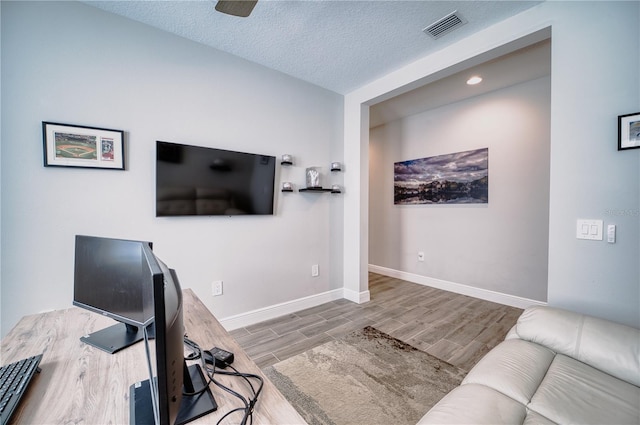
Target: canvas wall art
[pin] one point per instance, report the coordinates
(457, 178)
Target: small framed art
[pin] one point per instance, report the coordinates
(629, 131)
(67, 145)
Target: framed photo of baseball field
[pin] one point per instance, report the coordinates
(67, 145)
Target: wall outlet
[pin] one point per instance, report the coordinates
(420, 256)
(216, 288)
(315, 271)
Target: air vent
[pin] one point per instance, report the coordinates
(445, 25)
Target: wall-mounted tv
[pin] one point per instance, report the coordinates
(196, 180)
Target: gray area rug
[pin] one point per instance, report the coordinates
(366, 377)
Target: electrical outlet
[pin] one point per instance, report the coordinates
(315, 271)
(420, 256)
(216, 288)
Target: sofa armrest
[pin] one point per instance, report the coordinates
(475, 404)
(512, 334)
(608, 346)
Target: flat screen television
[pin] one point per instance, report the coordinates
(174, 393)
(196, 180)
(109, 280)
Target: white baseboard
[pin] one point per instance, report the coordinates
(458, 288)
(357, 297)
(277, 310)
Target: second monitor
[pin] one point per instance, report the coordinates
(109, 280)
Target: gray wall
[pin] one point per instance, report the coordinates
(593, 81)
(501, 246)
(71, 63)
(595, 76)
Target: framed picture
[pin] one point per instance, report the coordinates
(456, 178)
(68, 145)
(629, 131)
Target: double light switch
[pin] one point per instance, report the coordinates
(589, 229)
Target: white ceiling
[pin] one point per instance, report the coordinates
(336, 44)
(526, 64)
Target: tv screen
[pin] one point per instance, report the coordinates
(195, 180)
(109, 279)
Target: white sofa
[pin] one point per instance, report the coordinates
(554, 367)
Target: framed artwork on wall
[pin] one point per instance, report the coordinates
(67, 145)
(629, 131)
(457, 178)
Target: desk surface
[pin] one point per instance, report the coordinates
(81, 384)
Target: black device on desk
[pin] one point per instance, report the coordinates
(177, 394)
(14, 379)
(109, 280)
(221, 358)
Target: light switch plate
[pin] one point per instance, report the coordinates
(589, 229)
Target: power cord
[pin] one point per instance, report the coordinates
(249, 403)
(211, 370)
(195, 354)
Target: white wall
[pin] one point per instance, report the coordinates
(589, 177)
(595, 78)
(71, 63)
(501, 246)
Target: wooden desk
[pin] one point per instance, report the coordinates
(81, 384)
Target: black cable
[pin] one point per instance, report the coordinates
(237, 409)
(249, 405)
(196, 354)
(245, 376)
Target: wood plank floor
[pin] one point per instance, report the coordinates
(455, 328)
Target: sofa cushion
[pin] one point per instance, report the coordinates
(573, 392)
(534, 418)
(608, 346)
(514, 368)
(475, 404)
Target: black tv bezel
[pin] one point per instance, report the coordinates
(272, 159)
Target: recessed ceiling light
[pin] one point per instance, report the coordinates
(474, 80)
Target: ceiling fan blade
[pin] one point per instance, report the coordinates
(240, 8)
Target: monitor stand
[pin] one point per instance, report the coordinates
(191, 407)
(116, 337)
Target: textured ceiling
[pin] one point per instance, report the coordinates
(337, 44)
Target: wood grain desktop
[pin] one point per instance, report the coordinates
(82, 384)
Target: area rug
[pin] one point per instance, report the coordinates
(366, 377)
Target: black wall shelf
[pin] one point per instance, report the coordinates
(335, 167)
(318, 190)
(314, 189)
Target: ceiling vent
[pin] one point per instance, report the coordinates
(445, 25)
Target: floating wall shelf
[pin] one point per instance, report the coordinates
(318, 190)
(335, 166)
(314, 189)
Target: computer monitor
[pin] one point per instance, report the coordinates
(163, 399)
(109, 280)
